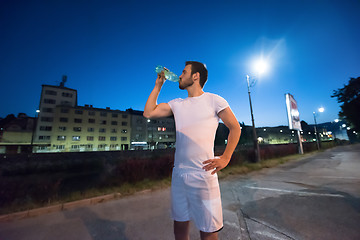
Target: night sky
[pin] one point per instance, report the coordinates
(109, 50)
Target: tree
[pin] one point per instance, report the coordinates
(349, 96)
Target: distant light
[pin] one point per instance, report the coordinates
(264, 130)
(281, 131)
(38, 111)
(148, 120)
(261, 66)
(344, 125)
(348, 128)
(321, 109)
(354, 132)
(336, 120)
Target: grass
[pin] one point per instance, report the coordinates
(126, 189)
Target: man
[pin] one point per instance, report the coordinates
(195, 188)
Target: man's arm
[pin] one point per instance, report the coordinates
(152, 109)
(230, 121)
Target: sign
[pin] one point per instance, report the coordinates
(293, 113)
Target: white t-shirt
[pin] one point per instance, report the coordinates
(196, 122)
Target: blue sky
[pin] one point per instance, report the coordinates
(109, 50)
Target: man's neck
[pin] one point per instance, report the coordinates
(195, 92)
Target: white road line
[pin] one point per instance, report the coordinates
(272, 236)
(335, 177)
(297, 192)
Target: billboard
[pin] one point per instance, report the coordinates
(293, 112)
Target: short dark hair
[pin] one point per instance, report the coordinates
(201, 69)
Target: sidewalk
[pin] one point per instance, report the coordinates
(145, 215)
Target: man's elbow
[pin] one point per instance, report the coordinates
(146, 115)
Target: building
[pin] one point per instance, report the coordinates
(89, 129)
(63, 126)
(151, 134)
(16, 133)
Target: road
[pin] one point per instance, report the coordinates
(315, 197)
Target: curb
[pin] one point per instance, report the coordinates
(58, 207)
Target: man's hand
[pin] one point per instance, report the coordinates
(216, 164)
(160, 79)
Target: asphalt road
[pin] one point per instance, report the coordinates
(316, 197)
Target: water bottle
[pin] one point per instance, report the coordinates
(168, 74)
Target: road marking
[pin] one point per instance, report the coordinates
(272, 236)
(297, 192)
(335, 177)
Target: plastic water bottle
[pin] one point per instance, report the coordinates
(168, 74)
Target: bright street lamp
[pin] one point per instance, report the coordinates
(321, 109)
(260, 67)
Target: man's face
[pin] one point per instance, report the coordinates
(186, 79)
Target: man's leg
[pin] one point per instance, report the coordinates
(208, 236)
(181, 230)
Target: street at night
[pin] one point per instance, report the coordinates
(315, 197)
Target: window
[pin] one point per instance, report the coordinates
(62, 129)
(49, 101)
(90, 138)
(114, 115)
(103, 122)
(114, 145)
(91, 120)
(66, 103)
(102, 138)
(77, 129)
(50, 92)
(90, 129)
(61, 138)
(60, 147)
(102, 130)
(75, 146)
(113, 138)
(64, 110)
(114, 122)
(123, 123)
(124, 131)
(100, 146)
(77, 120)
(88, 146)
(48, 110)
(103, 114)
(113, 130)
(123, 138)
(124, 116)
(44, 137)
(76, 138)
(63, 119)
(47, 119)
(91, 113)
(65, 94)
(45, 128)
(80, 112)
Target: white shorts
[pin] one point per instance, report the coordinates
(196, 196)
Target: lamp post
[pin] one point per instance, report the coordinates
(260, 66)
(256, 144)
(33, 132)
(321, 109)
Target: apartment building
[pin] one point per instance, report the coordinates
(151, 133)
(63, 126)
(51, 97)
(89, 129)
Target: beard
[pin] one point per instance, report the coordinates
(183, 85)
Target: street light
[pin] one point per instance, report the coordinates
(260, 67)
(34, 127)
(321, 109)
